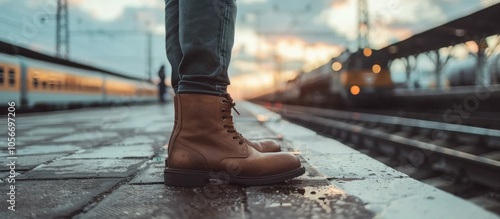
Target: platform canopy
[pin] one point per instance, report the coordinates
(475, 26)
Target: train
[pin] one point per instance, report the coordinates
(363, 79)
(350, 79)
(36, 81)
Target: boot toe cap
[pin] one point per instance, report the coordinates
(272, 164)
(270, 146)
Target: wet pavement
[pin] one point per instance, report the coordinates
(108, 163)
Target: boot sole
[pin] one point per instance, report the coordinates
(193, 178)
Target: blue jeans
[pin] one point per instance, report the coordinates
(199, 39)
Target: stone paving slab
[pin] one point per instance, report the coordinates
(136, 139)
(23, 140)
(409, 198)
(151, 174)
(37, 149)
(84, 168)
(159, 127)
(128, 151)
(29, 162)
(303, 202)
(346, 167)
(87, 136)
(316, 144)
(3, 175)
(160, 201)
(53, 198)
(51, 131)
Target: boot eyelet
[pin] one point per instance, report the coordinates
(223, 110)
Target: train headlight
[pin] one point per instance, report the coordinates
(355, 90)
(376, 68)
(336, 66)
(367, 52)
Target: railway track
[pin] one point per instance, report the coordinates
(488, 120)
(459, 159)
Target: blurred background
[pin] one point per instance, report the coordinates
(275, 40)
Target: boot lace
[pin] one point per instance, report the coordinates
(228, 118)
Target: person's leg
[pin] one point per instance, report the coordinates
(205, 142)
(174, 55)
(173, 47)
(206, 34)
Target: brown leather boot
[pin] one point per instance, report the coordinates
(260, 145)
(206, 144)
(266, 145)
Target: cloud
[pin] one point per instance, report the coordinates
(486, 3)
(250, 1)
(383, 15)
(112, 9)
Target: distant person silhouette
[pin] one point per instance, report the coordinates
(162, 88)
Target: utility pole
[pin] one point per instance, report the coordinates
(363, 25)
(62, 29)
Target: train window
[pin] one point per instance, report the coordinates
(52, 84)
(35, 82)
(44, 84)
(59, 85)
(1, 75)
(12, 77)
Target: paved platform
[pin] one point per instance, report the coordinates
(108, 162)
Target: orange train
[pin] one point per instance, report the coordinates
(351, 79)
(34, 81)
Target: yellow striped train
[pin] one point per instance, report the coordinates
(34, 80)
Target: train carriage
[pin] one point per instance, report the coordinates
(35, 80)
(54, 85)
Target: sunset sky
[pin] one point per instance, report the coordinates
(296, 34)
